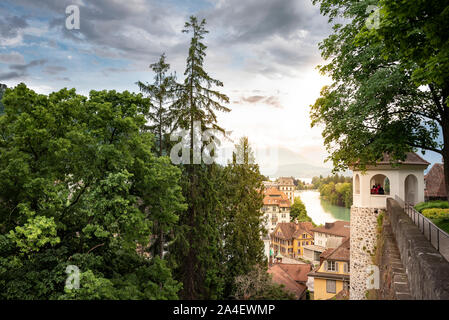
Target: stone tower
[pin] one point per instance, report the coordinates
(405, 180)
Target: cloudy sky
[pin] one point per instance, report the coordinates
(265, 52)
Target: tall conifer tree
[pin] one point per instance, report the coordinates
(198, 244)
(243, 228)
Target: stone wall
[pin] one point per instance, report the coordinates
(427, 270)
(363, 242)
(393, 276)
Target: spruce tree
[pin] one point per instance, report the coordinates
(243, 228)
(160, 94)
(198, 242)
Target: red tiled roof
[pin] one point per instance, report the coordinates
(297, 272)
(273, 196)
(337, 228)
(341, 253)
(281, 277)
(435, 186)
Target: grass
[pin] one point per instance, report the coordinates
(443, 222)
(440, 204)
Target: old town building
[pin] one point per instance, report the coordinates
(332, 276)
(276, 208)
(289, 239)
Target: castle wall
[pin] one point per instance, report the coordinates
(363, 241)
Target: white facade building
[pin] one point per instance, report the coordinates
(276, 208)
(385, 179)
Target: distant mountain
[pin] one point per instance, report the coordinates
(300, 170)
(283, 162)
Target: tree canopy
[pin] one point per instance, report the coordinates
(79, 186)
(390, 82)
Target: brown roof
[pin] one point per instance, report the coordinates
(285, 181)
(411, 158)
(283, 278)
(435, 186)
(292, 230)
(340, 253)
(337, 228)
(297, 272)
(273, 196)
(342, 295)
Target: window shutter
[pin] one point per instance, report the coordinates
(336, 266)
(346, 267)
(325, 265)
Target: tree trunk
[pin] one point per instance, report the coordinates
(445, 129)
(189, 277)
(161, 242)
(446, 157)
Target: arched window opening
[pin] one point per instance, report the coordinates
(411, 189)
(357, 184)
(380, 185)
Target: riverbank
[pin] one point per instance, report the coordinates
(319, 210)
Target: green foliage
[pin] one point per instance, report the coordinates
(258, 285)
(161, 95)
(298, 211)
(78, 186)
(35, 234)
(2, 91)
(335, 189)
(198, 248)
(318, 181)
(300, 185)
(436, 213)
(376, 102)
(438, 216)
(431, 204)
(242, 203)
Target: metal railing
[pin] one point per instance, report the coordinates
(437, 237)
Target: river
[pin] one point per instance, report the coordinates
(321, 211)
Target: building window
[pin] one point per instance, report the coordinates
(357, 184)
(331, 286)
(380, 185)
(331, 266)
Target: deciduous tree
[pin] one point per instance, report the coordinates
(389, 83)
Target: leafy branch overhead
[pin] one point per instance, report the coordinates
(390, 84)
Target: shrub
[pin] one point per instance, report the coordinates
(432, 204)
(436, 213)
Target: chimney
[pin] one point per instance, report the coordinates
(328, 225)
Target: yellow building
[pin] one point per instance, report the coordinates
(332, 276)
(289, 238)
